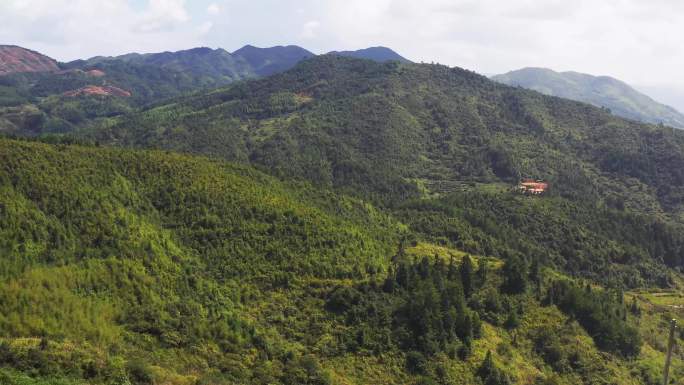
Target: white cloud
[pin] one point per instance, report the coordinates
(205, 27)
(634, 40)
(163, 15)
(309, 29)
(615, 37)
(71, 29)
(213, 9)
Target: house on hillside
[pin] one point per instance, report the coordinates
(529, 186)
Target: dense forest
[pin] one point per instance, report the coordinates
(441, 147)
(389, 131)
(151, 267)
(343, 222)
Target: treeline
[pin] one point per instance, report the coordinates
(420, 307)
(423, 308)
(602, 313)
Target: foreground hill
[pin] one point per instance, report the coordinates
(149, 267)
(601, 91)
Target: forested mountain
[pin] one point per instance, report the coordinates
(41, 103)
(601, 91)
(393, 131)
(343, 222)
(379, 54)
(40, 96)
(149, 267)
(215, 66)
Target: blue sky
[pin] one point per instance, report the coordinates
(634, 40)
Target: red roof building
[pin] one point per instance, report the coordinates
(532, 186)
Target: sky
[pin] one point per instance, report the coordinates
(637, 41)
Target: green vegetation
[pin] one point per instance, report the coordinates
(602, 314)
(373, 129)
(420, 308)
(153, 267)
(129, 251)
(385, 246)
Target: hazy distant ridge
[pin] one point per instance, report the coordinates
(602, 91)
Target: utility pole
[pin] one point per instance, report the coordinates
(670, 343)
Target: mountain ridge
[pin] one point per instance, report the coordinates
(267, 61)
(379, 53)
(601, 91)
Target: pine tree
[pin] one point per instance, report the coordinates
(634, 308)
(466, 270)
(515, 275)
(481, 273)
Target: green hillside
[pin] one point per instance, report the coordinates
(393, 129)
(343, 222)
(149, 267)
(601, 91)
(151, 258)
(211, 66)
(38, 103)
(392, 133)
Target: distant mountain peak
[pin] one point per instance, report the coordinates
(378, 53)
(270, 60)
(15, 59)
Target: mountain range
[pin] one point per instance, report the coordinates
(38, 94)
(341, 221)
(601, 91)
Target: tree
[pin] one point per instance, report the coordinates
(481, 273)
(466, 270)
(515, 275)
(490, 373)
(416, 362)
(634, 308)
(512, 321)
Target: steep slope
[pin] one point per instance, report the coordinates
(672, 95)
(601, 91)
(15, 59)
(379, 54)
(267, 61)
